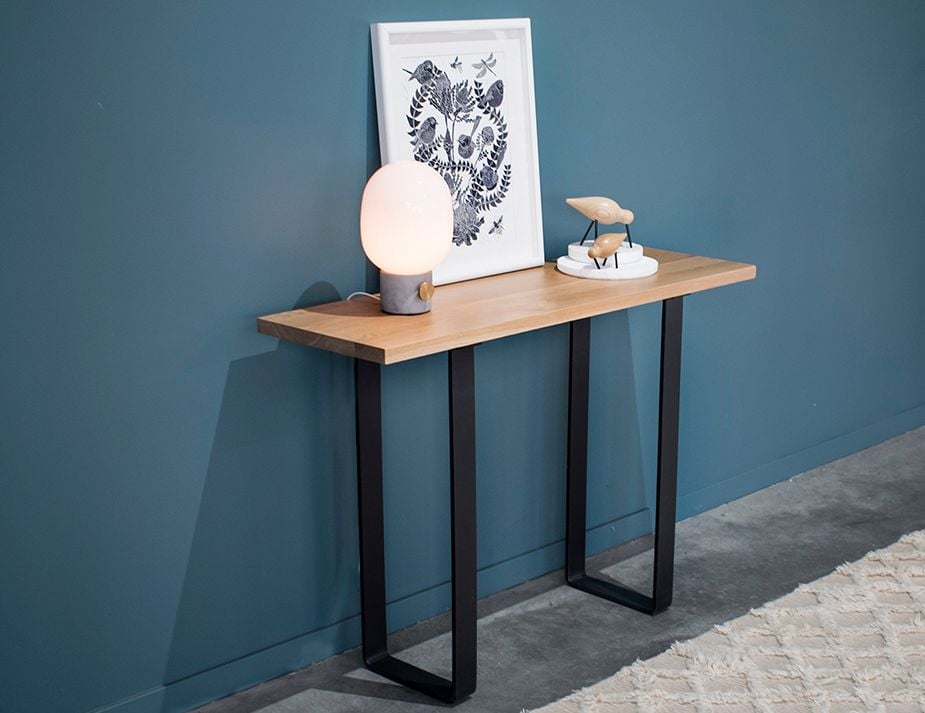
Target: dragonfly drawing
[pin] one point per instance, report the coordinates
(485, 65)
(456, 64)
(496, 227)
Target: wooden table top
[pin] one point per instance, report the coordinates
(493, 307)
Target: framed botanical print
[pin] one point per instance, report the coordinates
(459, 97)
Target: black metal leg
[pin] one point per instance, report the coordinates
(667, 475)
(463, 519)
(667, 486)
(463, 536)
(576, 493)
(368, 380)
(585, 236)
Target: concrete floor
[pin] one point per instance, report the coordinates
(540, 640)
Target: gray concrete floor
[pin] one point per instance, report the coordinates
(540, 641)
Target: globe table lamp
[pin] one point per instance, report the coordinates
(406, 228)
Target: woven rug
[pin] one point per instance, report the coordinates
(851, 641)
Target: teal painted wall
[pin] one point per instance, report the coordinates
(177, 511)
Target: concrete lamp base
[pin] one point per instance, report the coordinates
(405, 294)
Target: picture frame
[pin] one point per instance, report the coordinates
(459, 96)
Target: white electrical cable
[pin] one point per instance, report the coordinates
(364, 294)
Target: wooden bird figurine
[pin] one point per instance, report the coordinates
(602, 210)
(604, 246)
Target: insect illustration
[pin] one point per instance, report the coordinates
(456, 64)
(497, 227)
(485, 65)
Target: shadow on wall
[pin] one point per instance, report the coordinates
(273, 555)
(274, 551)
(274, 548)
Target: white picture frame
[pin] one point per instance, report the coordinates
(459, 96)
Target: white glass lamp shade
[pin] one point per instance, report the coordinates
(406, 218)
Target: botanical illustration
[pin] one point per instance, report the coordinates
(458, 128)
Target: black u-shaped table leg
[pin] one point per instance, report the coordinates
(463, 531)
(667, 474)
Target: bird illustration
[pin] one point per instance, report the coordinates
(426, 132)
(485, 65)
(423, 73)
(604, 246)
(494, 96)
(466, 146)
(489, 177)
(602, 210)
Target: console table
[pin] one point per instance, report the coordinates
(464, 315)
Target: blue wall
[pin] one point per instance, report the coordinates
(177, 492)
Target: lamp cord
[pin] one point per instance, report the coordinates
(364, 294)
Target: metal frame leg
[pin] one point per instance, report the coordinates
(463, 526)
(666, 488)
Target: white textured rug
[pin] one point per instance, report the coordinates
(851, 641)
